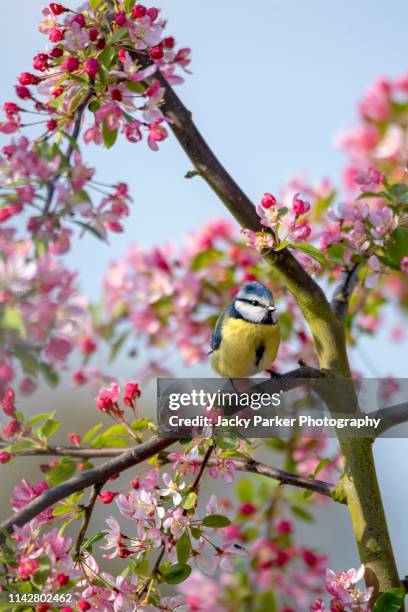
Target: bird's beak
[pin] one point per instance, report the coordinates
(272, 308)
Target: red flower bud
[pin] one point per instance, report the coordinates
(41, 62)
(62, 579)
(70, 64)
(23, 92)
(26, 78)
(101, 43)
(83, 605)
(116, 95)
(57, 9)
(5, 457)
(51, 125)
(74, 438)
(93, 34)
(120, 18)
(80, 20)
(107, 497)
(91, 67)
(57, 52)
(12, 427)
(247, 509)
(268, 200)
(169, 42)
(57, 92)
(153, 13)
(156, 53)
(139, 11)
(55, 35)
(284, 527)
(79, 378)
(134, 483)
(123, 553)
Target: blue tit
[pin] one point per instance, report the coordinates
(246, 336)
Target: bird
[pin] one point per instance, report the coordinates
(246, 336)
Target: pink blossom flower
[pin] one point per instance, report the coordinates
(157, 133)
(108, 397)
(172, 489)
(404, 264)
(177, 522)
(58, 348)
(224, 468)
(300, 207)
(369, 180)
(110, 114)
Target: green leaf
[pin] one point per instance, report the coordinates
(391, 601)
(109, 137)
(118, 34)
(204, 259)
(216, 521)
(91, 432)
(397, 247)
(50, 375)
(91, 230)
(28, 361)
(94, 4)
(117, 345)
(177, 573)
(128, 5)
(49, 428)
(37, 418)
(12, 319)
(106, 57)
(302, 514)
(336, 251)
(61, 509)
(87, 545)
(310, 250)
(227, 443)
(322, 464)
(245, 491)
(267, 603)
(368, 194)
(190, 501)
(64, 470)
(183, 548)
(135, 87)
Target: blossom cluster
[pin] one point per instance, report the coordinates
(106, 60)
(345, 595)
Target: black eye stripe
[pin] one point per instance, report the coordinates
(252, 302)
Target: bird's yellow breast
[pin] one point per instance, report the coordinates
(241, 343)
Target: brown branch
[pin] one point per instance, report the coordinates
(87, 517)
(81, 481)
(344, 290)
(391, 416)
(207, 165)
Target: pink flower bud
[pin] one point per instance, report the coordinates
(12, 427)
(83, 605)
(26, 78)
(300, 207)
(70, 64)
(107, 497)
(120, 18)
(11, 108)
(139, 11)
(404, 264)
(268, 200)
(5, 457)
(74, 438)
(91, 67)
(101, 43)
(79, 378)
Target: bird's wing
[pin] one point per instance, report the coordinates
(217, 334)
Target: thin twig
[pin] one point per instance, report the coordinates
(87, 517)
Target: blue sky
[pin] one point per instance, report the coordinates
(272, 83)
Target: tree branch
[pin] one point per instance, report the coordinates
(87, 517)
(86, 479)
(344, 290)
